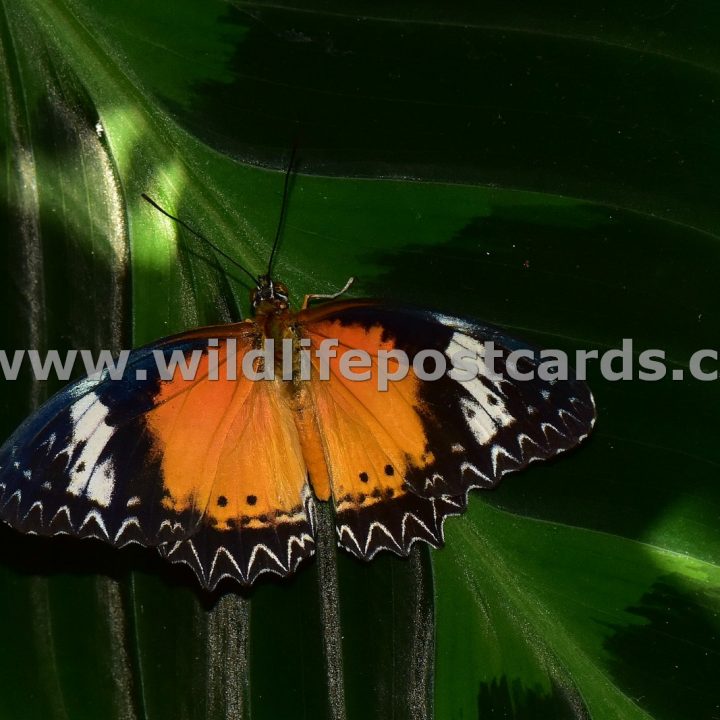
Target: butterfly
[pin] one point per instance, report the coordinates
(224, 474)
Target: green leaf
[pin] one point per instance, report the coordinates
(549, 171)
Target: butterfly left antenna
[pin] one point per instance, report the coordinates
(190, 229)
(283, 207)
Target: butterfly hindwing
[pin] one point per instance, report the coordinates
(244, 471)
(367, 464)
(209, 471)
(402, 460)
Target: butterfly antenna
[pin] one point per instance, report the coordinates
(190, 229)
(283, 207)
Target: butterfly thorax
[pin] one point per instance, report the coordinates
(275, 321)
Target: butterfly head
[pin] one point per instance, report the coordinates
(269, 295)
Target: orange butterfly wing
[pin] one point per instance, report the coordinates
(209, 471)
(400, 461)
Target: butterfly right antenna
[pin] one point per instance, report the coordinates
(283, 207)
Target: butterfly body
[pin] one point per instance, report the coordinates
(223, 474)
